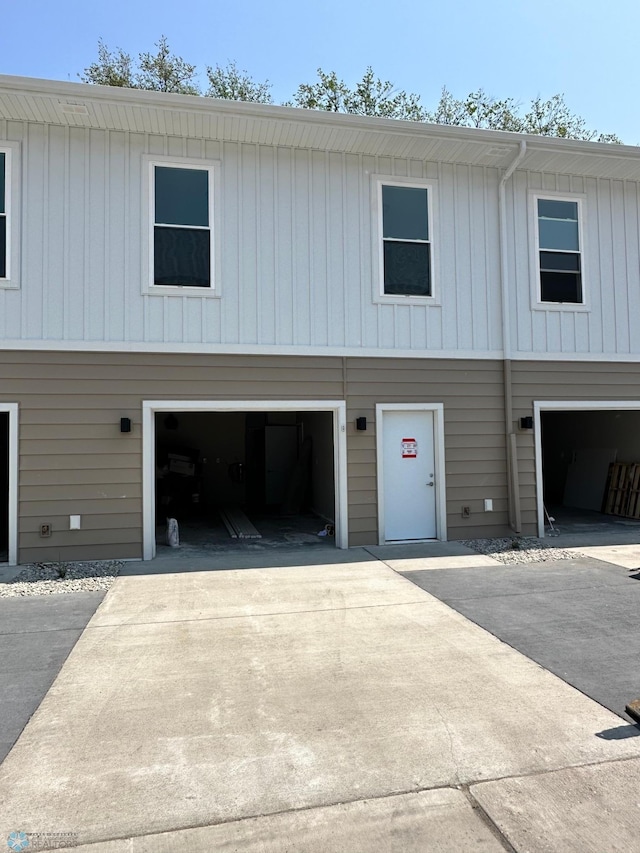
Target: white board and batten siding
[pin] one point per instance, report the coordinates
(297, 258)
(298, 255)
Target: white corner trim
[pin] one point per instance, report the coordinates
(149, 407)
(439, 458)
(12, 410)
(540, 406)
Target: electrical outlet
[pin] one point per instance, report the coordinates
(45, 530)
(466, 511)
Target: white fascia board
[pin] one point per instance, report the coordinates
(162, 101)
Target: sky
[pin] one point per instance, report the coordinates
(585, 50)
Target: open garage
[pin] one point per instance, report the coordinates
(589, 461)
(250, 478)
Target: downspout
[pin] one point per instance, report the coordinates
(513, 480)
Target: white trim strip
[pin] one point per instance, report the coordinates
(12, 410)
(297, 350)
(240, 349)
(150, 407)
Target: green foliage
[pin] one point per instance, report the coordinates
(370, 97)
(554, 118)
(160, 72)
(235, 85)
(543, 118)
(163, 71)
(111, 69)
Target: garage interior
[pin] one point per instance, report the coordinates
(591, 469)
(4, 487)
(245, 480)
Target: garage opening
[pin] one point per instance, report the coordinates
(246, 480)
(4, 487)
(591, 469)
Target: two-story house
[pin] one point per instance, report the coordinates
(419, 331)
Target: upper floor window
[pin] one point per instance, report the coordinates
(3, 216)
(559, 250)
(406, 241)
(10, 199)
(182, 246)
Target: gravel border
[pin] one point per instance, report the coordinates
(518, 549)
(61, 577)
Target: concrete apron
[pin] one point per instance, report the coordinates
(317, 697)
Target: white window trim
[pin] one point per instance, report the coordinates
(213, 168)
(536, 301)
(377, 182)
(337, 408)
(11, 150)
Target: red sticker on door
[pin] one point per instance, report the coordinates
(409, 448)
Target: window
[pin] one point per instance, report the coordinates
(406, 262)
(182, 226)
(10, 200)
(559, 250)
(3, 216)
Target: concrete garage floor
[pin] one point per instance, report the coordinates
(577, 618)
(305, 708)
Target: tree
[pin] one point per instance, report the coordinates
(165, 72)
(476, 110)
(370, 97)
(111, 69)
(159, 72)
(554, 118)
(543, 118)
(236, 85)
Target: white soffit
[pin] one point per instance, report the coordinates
(130, 110)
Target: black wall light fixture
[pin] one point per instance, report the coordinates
(125, 424)
(526, 423)
(361, 423)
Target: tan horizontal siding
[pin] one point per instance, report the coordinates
(111, 521)
(472, 394)
(65, 476)
(112, 550)
(74, 460)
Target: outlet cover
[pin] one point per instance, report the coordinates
(45, 531)
(466, 512)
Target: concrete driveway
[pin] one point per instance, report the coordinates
(312, 708)
(36, 635)
(578, 618)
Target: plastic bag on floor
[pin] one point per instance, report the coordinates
(173, 533)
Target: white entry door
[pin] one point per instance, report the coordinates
(408, 476)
